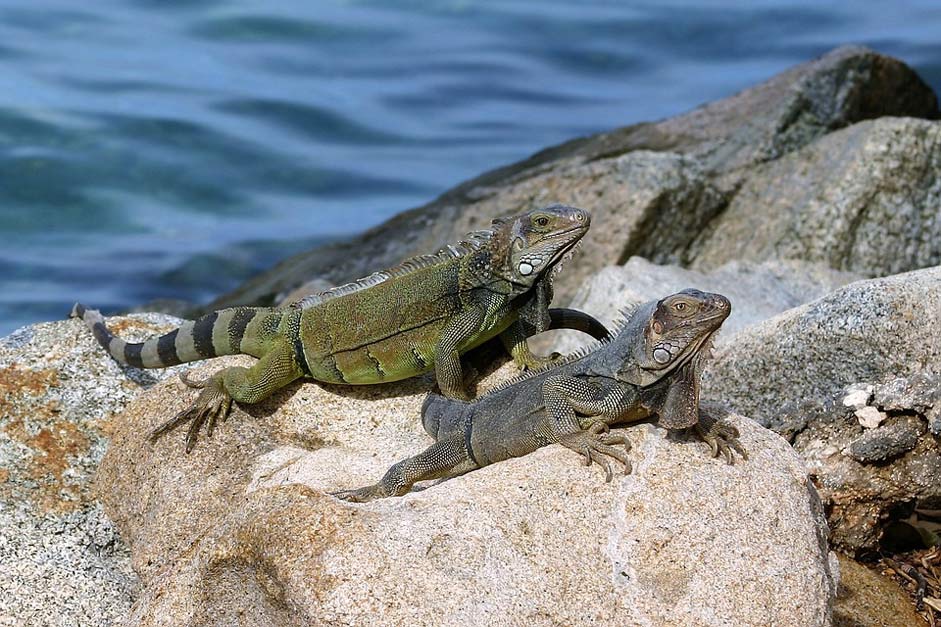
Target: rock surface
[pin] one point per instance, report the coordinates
(656, 186)
(758, 291)
(242, 529)
(61, 560)
(866, 598)
(862, 332)
(864, 199)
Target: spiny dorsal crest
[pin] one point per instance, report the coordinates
(624, 314)
(575, 355)
(473, 241)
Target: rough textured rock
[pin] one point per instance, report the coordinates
(758, 291)
(802, 372)
(863, 332)
(866, 598)
(850, 378)
(864, 199)
(638, 193)
(243, 527)
(870, 477)
(899, 435)
(61, 560)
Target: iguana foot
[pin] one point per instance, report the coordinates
(212, 404)
(721, 436)
(595, 443)
(538, 362)
(363, 495)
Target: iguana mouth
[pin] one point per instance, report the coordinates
(568, 253)
(568, 248)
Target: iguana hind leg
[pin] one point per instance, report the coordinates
(273, 371)
(515, 337)
(438, 460)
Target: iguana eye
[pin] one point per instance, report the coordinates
(541, 221)
(679, 306)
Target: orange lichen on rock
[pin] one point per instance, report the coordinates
(53, 446)
(130, 323)
(16, 381)
(29, 415)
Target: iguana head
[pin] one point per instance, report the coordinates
(528, 245)
(662, 336)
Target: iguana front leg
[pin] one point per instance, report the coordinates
(273, 371)
(564, 395)
(442, 459)
(514, 339)
(448, 369)
(720, 435)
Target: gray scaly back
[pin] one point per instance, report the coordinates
(592, 348)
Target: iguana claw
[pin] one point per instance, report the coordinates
(721, 436)
(362, 495)
(596, 442)
(212, 404)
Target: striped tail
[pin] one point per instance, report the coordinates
(215, 334)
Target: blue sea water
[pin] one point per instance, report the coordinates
(159, 148)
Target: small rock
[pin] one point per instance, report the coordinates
(867, 598)
(858, 397)
(934, 420)
(917, 392)
(898, 436)
(870, 417)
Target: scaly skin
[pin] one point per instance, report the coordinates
(395, 324)
(652, 366)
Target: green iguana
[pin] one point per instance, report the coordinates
(651, 366)
(394, 324)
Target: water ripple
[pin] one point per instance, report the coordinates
(171, 148)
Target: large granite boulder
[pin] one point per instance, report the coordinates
(653, 187)
(758, 291)
(851, 378)
(864, 199)
(244, 529)
(61, 560)
(862, 332)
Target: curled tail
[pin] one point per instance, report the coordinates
(215, 334)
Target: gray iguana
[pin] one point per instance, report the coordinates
(394, 324)
(652, 365)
